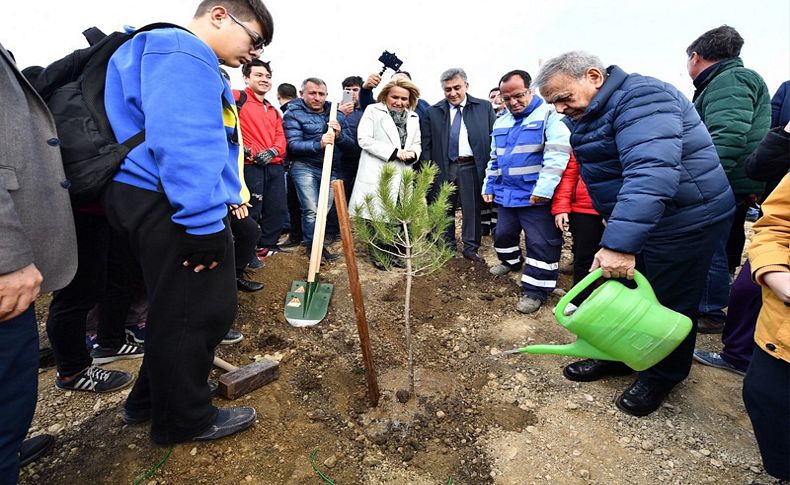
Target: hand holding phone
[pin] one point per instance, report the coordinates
(348, 97)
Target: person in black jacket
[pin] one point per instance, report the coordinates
(461, 148)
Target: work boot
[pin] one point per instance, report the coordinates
(527, 304)
(500, 269)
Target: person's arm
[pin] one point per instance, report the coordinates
(297, 145)
(776, 105)
(279, 138)
(556, 152)
(769, 251)
(366, 92)
(649, 136)
(491, 173)
(416, 144)
(771, 159)
(425, 133)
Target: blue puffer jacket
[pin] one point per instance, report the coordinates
(303, 131)
(648, 161)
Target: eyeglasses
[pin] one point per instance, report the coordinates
(257, 40)
(516, 96)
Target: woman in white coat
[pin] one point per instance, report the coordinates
(388, 133)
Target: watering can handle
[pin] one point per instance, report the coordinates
(642, 285)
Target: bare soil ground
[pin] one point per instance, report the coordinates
(476, 419)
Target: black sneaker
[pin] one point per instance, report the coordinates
(136, 332)
(232, 337)
(34, 448)
(95, 379)
(103, 355)
(228, 422)
(248, 286)
(291, 243)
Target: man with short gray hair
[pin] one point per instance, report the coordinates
(456, 135)
(653, 173)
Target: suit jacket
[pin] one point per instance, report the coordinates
(36, 224)
(479, 119)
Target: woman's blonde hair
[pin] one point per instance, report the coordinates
(414, 91)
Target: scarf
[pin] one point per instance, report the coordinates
(400, 123)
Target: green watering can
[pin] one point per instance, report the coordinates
(618, 323)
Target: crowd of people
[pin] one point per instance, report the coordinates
(643, 178)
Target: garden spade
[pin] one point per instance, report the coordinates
(308, 301)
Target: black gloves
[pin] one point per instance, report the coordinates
(265, 157)
(205, 249)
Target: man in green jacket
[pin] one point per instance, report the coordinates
(735, 106)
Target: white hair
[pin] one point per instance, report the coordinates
(573, 64)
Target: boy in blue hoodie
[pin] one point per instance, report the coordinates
(170, 199)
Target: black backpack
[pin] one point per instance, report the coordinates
(73, 88)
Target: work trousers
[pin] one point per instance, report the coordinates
(543, 242)
(188, 315)
(465, 178)
(18, 388)
(267, 197)
(676, 266)
(766, 394)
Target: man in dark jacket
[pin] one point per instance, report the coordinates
(460, 146)
(652, 171)
(306, 125)
(734, 104)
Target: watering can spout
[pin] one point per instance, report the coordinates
(579, 348)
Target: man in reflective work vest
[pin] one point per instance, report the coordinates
(530, 148)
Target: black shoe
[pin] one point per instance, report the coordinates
(473, 256)
(46, 358)
(135, 417)
(328, 257)
(248, 286)
(641, 398)
(589, 370)
(34, 448)
(228, 422)
(232, 337)
(291, 243)
(709, 324)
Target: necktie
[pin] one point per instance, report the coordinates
(455, 134)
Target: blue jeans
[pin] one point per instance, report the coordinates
(307, 180)
(717, 282)
(18, 388)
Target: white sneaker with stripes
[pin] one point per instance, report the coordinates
(95, 379)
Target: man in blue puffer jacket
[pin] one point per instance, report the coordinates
(306, 126)
(652, 171)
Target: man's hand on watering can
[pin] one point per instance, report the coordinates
(614, 264)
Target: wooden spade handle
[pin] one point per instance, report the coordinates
(323, 201)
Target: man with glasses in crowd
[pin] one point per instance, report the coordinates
(530, 148)
(170, 199)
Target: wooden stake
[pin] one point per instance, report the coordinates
(356, 290)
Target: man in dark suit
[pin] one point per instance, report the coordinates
(460, 146)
